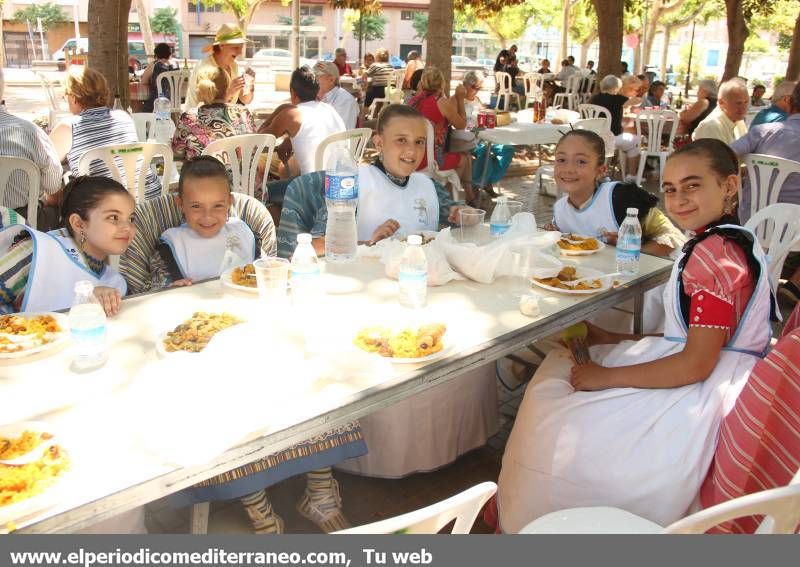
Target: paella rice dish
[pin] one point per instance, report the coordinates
(574, 242)
(18, 333)
(18, 483)
(406, 343)
(194, 334)
(11, 448)
(567, 275)
(244, 275)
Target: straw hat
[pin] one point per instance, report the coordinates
(228, 34)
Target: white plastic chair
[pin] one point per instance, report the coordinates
(356, 142)
(448, 176)
(505, 90)
(21, 166)
(586, 88)
(145, 123)
(570, 98)
(657, 122)
(56, 111)
(463, 508)
(595, 111)
(781, 506)
(766, 175)
(243, 153)
(375, 108)
(778, 230)
(176, 81)
(534, 84)
(122, 160)
(397, 78)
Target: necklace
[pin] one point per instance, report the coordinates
(399, 181)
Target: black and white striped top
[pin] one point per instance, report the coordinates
(23, 139)
(95, 127)
(381, 73)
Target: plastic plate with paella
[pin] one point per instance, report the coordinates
(562, 282)
(32, 487)
(577, 245)
(194, 334)
(23, 334)
(409, 345)
(242, 278)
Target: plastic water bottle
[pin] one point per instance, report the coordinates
(501, 217)
(87, 326)
(629, 244)
(164, 127)
(341, 198)
(413, 274)
(305, 280)
(117, 103)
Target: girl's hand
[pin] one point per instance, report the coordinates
(591, 377)
(109, 298)
(598, 336)
(550, 226)
(181, 283)
(610, 238)
(384, 231)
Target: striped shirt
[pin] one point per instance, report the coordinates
(96, 127)
(381, 73)
(23, 139)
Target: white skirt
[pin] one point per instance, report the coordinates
(431, 429)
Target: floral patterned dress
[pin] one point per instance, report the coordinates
(199, 127)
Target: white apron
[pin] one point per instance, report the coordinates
(200, 258)
(56, 266)
(587, 221)
(415, 206)
(646, 451)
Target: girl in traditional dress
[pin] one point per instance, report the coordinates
(598, 209)
(636, 428)
(206, 245)
(209, 242)
(38, 270)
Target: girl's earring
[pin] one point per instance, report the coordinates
(727, 209)
(83, 239)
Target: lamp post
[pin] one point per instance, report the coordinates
(689, 65)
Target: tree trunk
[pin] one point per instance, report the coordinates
(562, 54)
(144, 25)
(609, 32)
(737, 34)
(440, 37)
(108, 37)
(793, 68)
(587, 43)
(667, 35)
(2, 48)
(637, 57)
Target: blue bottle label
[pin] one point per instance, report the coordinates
(341, 187)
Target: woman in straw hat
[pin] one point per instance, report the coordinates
(227, 46)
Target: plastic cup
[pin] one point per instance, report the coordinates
(272, 278)
(523, 262)
(514, 207)
(471, 225)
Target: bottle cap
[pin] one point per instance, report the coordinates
(304, 238)
(414, 239)
(632, 211)
(83, 286)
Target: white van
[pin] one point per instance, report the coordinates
(82, 44)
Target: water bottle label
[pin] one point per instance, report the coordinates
(305, 275)
(627, 255)
(97, 333)
(341, 187)
(496, 228)
(413, 278)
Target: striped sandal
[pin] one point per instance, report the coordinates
(264, 519)
(324, 508)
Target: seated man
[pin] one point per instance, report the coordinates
(23, 139)
(780, 139)
(340, 59)
(779, 109)
(567, 70)
(330, 92)
(726, 122)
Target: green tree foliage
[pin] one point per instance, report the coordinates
(781, 20)
(164, 21)
(49, 13)
(420, 24)
(368, 28)
(584, 21)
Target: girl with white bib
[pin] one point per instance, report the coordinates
(392, 196)
(209, 242)
(38, 270)
(592, 209)
(637, 427)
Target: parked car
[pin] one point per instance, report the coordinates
(487, 64)
(396, 62)
(462, 61)
(280, 59)
(137, 57)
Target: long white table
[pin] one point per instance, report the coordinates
(110, 419)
